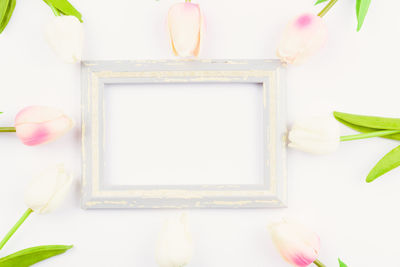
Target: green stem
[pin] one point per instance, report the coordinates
(318, 263)
(327, 8)
(368, 135)
(55, 10)
(15, 228)
(188, 1)
(7, 129)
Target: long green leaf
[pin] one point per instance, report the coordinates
(341, 263)
(389, 162)
(3, 9)
(362, 7)
(362, 129)
(320, 1)
(369, 121)
(30, 256)
(66, 8)
(8, 14)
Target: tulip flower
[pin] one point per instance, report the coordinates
(65, 35)
(44, 194)
(297, 245)
(175, 246)
(318, 135)
(321, 135)
(302, 37)
(37, 125)
(307, 33)
(185, 24)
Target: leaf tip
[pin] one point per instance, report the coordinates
(370, 177)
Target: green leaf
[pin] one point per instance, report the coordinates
(369, 121)
(66, 8)
(362, 129)
(361, 11)
(341, 263)
(30, 256)
(389, 162)
(8, 14)
(3, 9)
(320, 1)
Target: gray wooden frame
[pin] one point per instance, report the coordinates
(269, 73)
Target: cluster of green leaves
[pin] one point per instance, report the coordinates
(59, 7)
(30, 256)
(361, 10)
(368, 124)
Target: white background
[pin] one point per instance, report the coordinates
(355, 72)
(158, 134)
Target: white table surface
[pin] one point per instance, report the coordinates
(355, 72)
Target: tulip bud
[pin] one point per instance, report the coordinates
(296, 244)
(185, 24)
(47, 191)
(316, 135)
(65, 36)
(175, 246)
(302, 37)
(37, 125)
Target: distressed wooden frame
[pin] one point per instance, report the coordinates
(269, 73)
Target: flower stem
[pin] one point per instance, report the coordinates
(327, 8)
(188, 1)
(318, 263)
(7, 129)
(15, 227)
(368, 135)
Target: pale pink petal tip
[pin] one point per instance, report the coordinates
(37, 125)
(302, 37)
(185, 25)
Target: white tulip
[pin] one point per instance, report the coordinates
(175, 245)
(318, 135)
(46, 192)
(65, 35)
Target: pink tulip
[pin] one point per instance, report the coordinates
(36, 125)
(185, 24)
(296, 244)
(302, 37)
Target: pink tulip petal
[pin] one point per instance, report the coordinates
(38, 125)
(296, 244)
(37, 114)
(302, 37)
(185, 28)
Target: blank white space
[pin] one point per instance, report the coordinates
(169, 134)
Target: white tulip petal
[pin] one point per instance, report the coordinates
(65, 35)
(174, 246)
(318, 135)
(46, 191)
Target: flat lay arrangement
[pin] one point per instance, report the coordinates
(172, 139)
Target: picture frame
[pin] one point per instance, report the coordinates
(269, 73)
